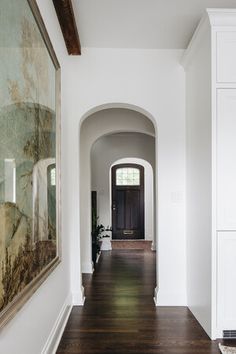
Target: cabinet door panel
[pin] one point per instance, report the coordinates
(226, 159)
(226, 309)
(226, 57)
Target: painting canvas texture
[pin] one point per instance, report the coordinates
(28, 202)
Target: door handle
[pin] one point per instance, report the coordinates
(113, 207)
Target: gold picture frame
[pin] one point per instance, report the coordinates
(30, 148)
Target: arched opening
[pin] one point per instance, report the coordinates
(98, 128)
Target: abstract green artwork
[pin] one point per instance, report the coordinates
(29, 155)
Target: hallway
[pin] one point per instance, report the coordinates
(119, 316)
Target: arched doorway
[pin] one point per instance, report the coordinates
(103, 123)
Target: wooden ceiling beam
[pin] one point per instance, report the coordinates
(66, 18)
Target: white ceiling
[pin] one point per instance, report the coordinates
(141, 23)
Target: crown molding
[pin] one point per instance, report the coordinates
(222, 17)
(211, 19)
(195, 42)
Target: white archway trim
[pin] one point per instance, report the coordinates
(77, 288)
(127, 105)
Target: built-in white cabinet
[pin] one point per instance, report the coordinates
(210, 65)
(224, 177)
(226, 158)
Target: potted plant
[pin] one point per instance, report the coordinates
(96, 236)
(106, 239)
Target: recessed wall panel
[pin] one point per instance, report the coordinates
(226, 159)
(226, 57)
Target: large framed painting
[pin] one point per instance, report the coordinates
(29, 155)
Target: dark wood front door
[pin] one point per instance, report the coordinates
(127, 202)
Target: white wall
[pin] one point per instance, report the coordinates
(29, 330)
(199, 182)
(152, 82)
(105, 152)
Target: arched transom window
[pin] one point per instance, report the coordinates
(127, 176)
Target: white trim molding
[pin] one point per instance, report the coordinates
(55, 335)
(78, 299)
(169, 299)
(87, 267)
(196, 41)
(222, 17)
(212, 18)
(155, 296)
(153, 247)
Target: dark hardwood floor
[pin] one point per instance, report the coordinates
(119, 316)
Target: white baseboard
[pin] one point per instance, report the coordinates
(153, 247)
(155, 296)
(58, 328)
(169, 299)
(87, 267)
(201, 319)
(217, 334)
(78, 299)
